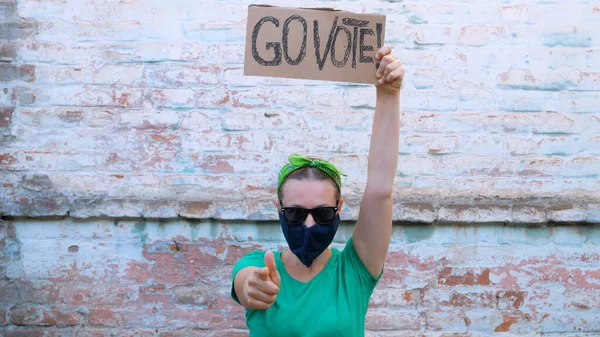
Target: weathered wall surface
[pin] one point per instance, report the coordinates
(116, 111)
(127, 108)
(172, 278)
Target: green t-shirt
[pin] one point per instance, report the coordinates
(334, 303)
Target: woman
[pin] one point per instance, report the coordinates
(312, 290)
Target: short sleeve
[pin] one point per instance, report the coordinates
(351, 258)
(253, 259)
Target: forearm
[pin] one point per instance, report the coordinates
(383, 152)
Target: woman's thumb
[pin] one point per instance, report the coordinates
(270, 264)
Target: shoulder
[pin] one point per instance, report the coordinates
(253, 255)
(352, 263)
(255, 258)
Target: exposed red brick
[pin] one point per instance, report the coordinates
(446, 277)
(122, 99)
(510, 298)
(10, 72)
(217, 165)
(105, 317)
(197, 207)
(407, 296)
(75, 296)
(8, 51)
(27, 316)
(153, 289)
(580, 306)
(472, 299)
(164, 138)
(5, 118)
(137, 272)
(61, 318)
(561, 207)
(220, 249)
(234, 253)
(30, 333)
(27, 73)
(505, 325)
(3, 320)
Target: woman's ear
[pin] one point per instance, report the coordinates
(340, 206)
(277, 205)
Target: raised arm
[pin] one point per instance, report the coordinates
(374, 227)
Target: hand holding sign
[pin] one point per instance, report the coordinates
(390, 73)
(262, 286)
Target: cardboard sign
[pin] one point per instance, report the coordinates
(320, 44)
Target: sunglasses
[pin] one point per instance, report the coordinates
(297, 215)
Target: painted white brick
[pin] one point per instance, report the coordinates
(499, 99)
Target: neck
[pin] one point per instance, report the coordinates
(301, 272)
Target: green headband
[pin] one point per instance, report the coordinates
(297, 162)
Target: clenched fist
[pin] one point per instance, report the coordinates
(390, 73)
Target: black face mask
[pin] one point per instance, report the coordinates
(307, 243)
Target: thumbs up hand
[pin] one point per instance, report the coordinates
(262, 286)
(270, 265)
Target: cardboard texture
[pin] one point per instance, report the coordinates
(319, 44)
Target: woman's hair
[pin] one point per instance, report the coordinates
(309, 173)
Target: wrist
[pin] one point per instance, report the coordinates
(387, 93)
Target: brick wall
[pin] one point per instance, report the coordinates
(112, 112)
(170, 278)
